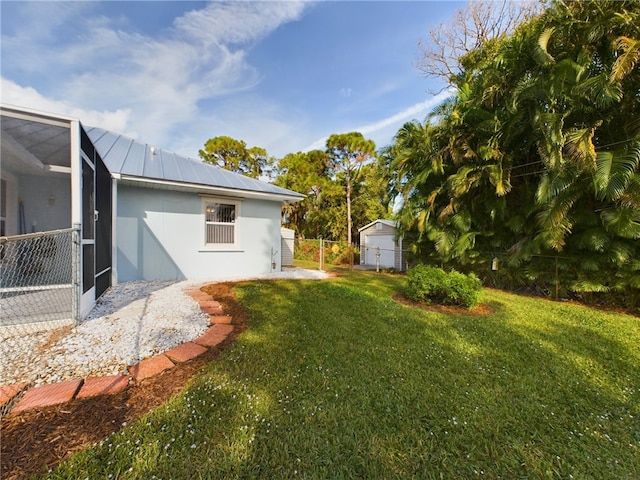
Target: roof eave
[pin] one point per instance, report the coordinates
(390, 223)
(205, 189)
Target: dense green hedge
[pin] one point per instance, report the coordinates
(434, 285)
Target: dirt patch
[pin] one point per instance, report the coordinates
(480, 310)
(54, 337)
(36, 440)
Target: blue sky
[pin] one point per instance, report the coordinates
(279, 75)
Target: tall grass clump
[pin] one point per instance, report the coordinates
(434, 285)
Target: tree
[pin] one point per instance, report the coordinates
(537, 155)
(309, 173)
(347, 153)
(322, 214)
(233, 155)
(470, 28)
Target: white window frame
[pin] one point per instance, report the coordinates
(206, 201)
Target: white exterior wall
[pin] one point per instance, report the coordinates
(160, 236)
(41, 212)
(11, 220)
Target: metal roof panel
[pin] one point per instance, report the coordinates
(125, 156)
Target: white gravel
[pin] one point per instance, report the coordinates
(131, 321)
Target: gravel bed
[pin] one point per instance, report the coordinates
(130, 322)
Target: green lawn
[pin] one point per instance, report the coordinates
(334, 379)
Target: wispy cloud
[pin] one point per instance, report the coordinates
(408, 113)
(128, 81)
(417, 110)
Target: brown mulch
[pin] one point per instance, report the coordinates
(480, 310)
(35, 440)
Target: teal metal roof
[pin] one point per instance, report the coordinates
(127, 157)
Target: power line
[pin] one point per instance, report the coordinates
(522, 165)
(529, 174)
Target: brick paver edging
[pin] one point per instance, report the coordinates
(25, 397)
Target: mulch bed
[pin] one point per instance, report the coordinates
(36, 440)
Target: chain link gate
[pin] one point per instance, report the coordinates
(39, 290)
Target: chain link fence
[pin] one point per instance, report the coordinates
(38, 285)
(330, 252)
(326, 252)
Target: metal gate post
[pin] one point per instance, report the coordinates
(76, 273)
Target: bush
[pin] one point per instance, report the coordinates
(434, 285)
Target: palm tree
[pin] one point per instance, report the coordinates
(537, 154)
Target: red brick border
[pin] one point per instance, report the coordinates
(109, 385)
(61, 392)
(185, 352)
(46, 395)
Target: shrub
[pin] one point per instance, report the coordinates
(434, 285)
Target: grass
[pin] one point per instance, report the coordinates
(334, 379)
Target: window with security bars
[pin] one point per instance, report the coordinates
(220, 223)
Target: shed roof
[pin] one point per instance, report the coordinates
(390, 223)
(140, 163)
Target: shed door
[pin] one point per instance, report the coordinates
(386, 247)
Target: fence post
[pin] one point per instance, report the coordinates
(76, 273)
(351, 255)
(557, 281)
(321, 255)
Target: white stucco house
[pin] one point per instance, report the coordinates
(381, 245)
(143, 213)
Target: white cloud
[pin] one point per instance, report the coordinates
(236, 22)
(408, 113)
(128, 81)
(13, 94)
(382, 127)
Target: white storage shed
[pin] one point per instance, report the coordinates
(380, 245)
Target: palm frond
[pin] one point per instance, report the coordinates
(624, 222)
(631, 196)
(498, 179)
(614, 171)
(620, 252)
(588, 286)
(540, 52)
(527, 89)
(600, 91)
(554, 218)
(443, 241)
(594, 239)
(464, 243)
(628, 60)
(461, 221)
(552, 184)
(579, 147)
(549, 127)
